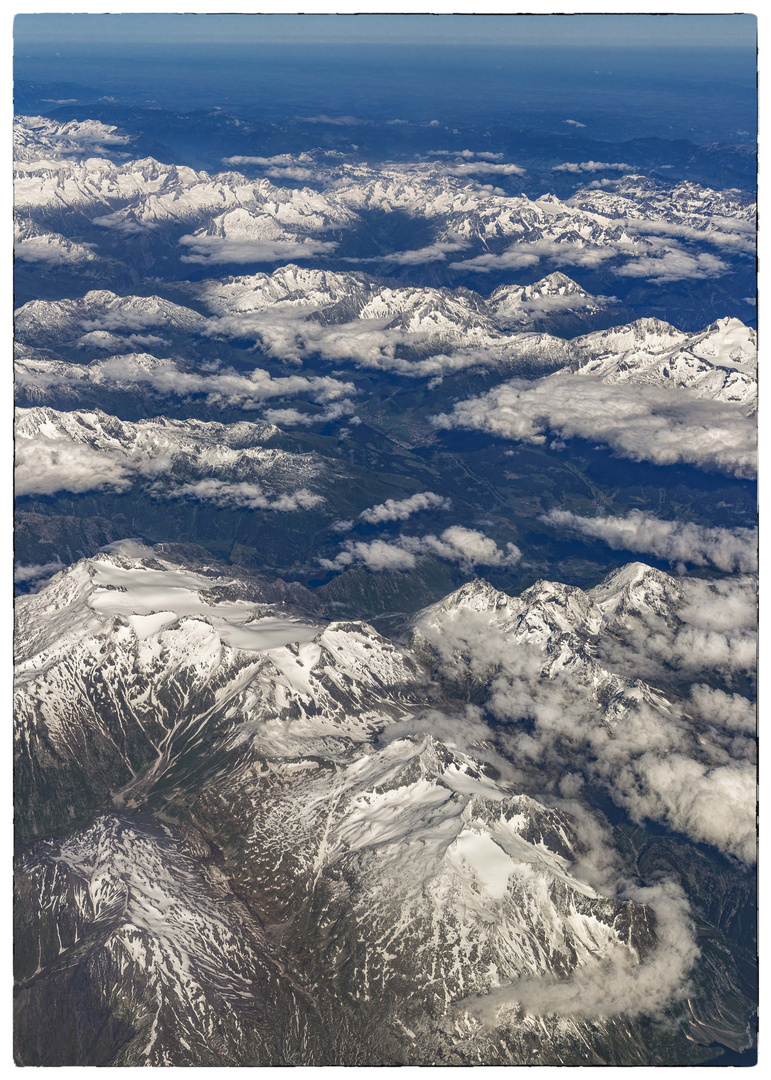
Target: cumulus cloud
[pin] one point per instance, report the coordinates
(131, 314)
(648, 256)
(285, 166)
(732, 234)
(644, 423)
(44, 466)
(731, 711)
(103, 340)
(401, 509)
(85, 451)
(245, 496)
(119, 222)
(591, 166)
(675, 541)
(469, 547)
(436, 252)
(375, 555)
(53, 250)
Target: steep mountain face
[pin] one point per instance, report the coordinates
(149, 958)
(165, 651)
(418, 855)
(262, 833)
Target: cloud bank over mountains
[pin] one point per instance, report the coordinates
(640, 422)
(678, 542)
(569, 707)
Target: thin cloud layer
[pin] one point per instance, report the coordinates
(165, 378)
(591, 166)
(36, 571)
(224, 249)
(91, 451)
(245, 496)
(292, 417)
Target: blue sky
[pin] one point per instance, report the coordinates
(640, 31)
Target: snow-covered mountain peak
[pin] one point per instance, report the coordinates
(727, 342)
(647, 334)
(637, 590)
(558, 283)
(476, 595)
(719, 362)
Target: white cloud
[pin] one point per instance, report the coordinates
(674, 265)
(457, 544)
(732, 234)
(338, 121)
(530, 253)
(644, 423)
(574, 123)
(375, 555)
(712, 634)
(676, 541)
(468, 155)
(614, 985)
(436, 252)
(474, 168)
(44, 466)
(365, 342)
(36, 571)
(647, 255)
(53, 250)
(731, 711)
(401, 509)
